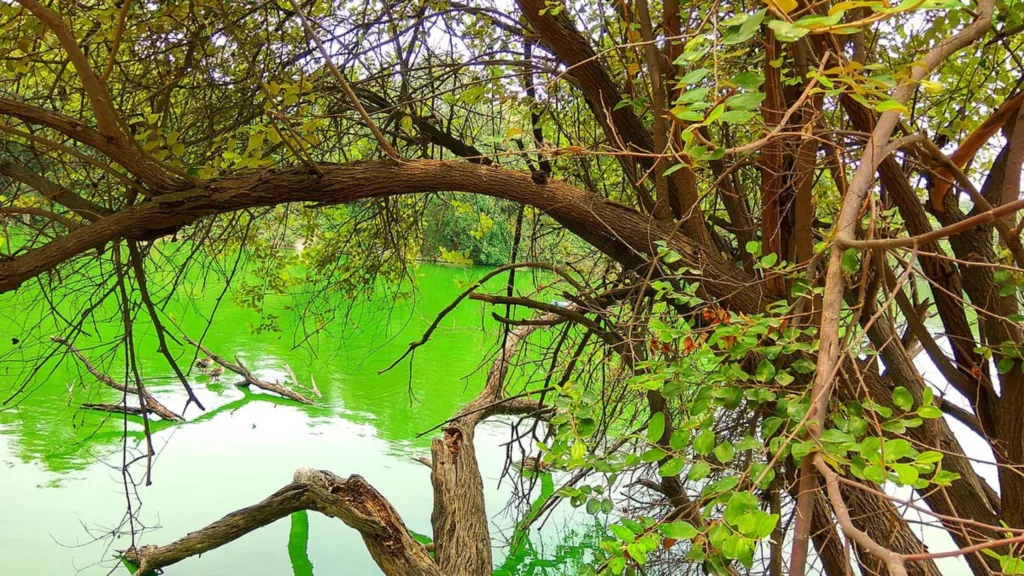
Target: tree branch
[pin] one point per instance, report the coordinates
(99, 98)
(352, 500)
(150, 403)
(622, 233)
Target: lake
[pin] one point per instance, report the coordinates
(64, 497)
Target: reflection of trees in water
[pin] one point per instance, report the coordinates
(528, 553)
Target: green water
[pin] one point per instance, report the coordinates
(62, 490)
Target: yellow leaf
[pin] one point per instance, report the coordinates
(931, 86)
(632, 69)
(784, 6)
(513, 132)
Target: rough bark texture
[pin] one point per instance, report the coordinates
(462, 542)
(352, 500)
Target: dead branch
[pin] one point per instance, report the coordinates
(352, 500)
(115, 408)
(151, 404)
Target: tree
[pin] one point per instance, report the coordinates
(751, 175)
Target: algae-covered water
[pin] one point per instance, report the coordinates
(62, 494)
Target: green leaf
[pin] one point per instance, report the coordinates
(691, 96)
(736, 116)
(668, 171)
(871, 448)
(803, 366)
(929, 412)
(786, 31)
(740, 504)
(633, 525)
(593, 506)
(766, 525)
(694, 76)
(656, 427)
(748, 443)
(699, 471)
(816, 22)
(653, 455)
(765, 371)
(1005, 365)
(638, 554)
(906, 473)
(687, 115)
(896, 448)
(617, 564)
(749, 80)
(704, 443)
(945, 477)
(770, 425)
(745, 101)
(715, 114)
(850, 262)
(673, 467)
(875, 473)
(784, 378)
(902, 398)
(836, 436)
(680, 439)
(747, 29)
(622, 533)
(725, 451)
(891, 105)
(769, 260)
(929, 457)
(753, 247)
(802, 449)
(679, 530)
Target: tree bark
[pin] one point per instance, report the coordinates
(352, 500)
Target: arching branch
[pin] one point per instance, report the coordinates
(620, 232)
(352, 500)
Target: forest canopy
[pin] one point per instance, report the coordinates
(779, 244)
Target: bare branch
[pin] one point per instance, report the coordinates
(151, 404)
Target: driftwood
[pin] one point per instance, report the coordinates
(115, 408)
(151, 404)
(295, 382)
(352, 500)
(250, 379)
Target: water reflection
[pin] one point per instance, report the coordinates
(60, 473)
